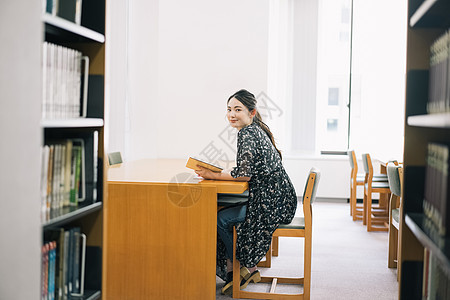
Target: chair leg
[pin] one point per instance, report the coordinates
(275, 246)
(364, 217)
(369, 211)
(307, 265)
(350, 198)
(392, 246)
(375, 219)
(236, 269)
(354, 202)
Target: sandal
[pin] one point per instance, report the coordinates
(228, 286)
(255, 277)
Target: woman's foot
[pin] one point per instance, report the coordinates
(255, 276)
(228, 286)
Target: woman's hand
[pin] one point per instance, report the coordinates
(224, 175)
(206, 173)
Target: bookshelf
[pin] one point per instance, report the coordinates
(427, 21)
(73, 62)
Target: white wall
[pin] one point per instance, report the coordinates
(335, 174)
(184, 60)
(20, 100)
(207, 51)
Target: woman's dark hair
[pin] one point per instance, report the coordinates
(249, 101)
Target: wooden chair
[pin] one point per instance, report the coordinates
(114, 158)
(299, 227)
(227, 200)
(395, 175)
(374, 216)
(356, 211)
(355, 180)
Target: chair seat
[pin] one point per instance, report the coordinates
(378, 185)
(297, 223)
(244, 194)
(376, 178)
(232, 199)
(380, 178)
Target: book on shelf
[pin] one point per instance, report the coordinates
(44, 271)
(63, 93)
(435, 283)
(66, 9)
(69, 171)
(193, 164)
(63, 259)
(70, 10)
(436, 204)
(439, 74)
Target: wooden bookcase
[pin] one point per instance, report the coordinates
(88, 38)
(427, 20)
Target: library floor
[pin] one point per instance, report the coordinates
(347, 261)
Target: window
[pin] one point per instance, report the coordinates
(340, 72)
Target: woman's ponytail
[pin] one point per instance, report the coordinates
(266, 129)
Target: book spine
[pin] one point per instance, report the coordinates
(44, 176)
(52, 270)
(65, 264)
(50, 176)
(77, 176)
(44, 272)
(67, 171)
(76, 261)
(426, 265)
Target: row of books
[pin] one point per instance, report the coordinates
(436, 202)
(62, 75)
(436, 282)
(62, 175)
(66, 9)
(439, 75)
(63, 258)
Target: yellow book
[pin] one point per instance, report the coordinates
(192, 163)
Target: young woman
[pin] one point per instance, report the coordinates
(272, 199)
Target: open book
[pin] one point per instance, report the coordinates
(193, 162)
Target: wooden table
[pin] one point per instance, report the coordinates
(160, 231)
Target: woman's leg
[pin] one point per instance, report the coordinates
(226, 219)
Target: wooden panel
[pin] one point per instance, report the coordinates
(92, 226)
(159, 241)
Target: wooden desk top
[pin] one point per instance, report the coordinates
(167, 171)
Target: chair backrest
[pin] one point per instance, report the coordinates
(393, 172)
(352, 158)
(309, 194)
(114, 158)
(366, 161)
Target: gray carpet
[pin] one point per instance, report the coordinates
(347, 261)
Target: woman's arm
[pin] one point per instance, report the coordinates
(224, 175)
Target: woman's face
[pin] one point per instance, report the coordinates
(238, 115)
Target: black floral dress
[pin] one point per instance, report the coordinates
(272, 198)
